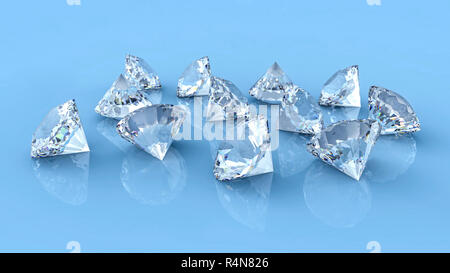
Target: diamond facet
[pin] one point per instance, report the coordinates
(346, 145)
(60, 133)
(299, 112)
(225, 101)
(195, 80)
(249, 155)
(121, 99)
(152, 128)
(140, 74)
(393, 111)
(342, 89)
(271, 87)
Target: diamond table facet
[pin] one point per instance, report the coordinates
(152, 128)
(271, 87)
(393, 111)
(140, 74)
(342, 89)
(346, 145)
(59, 133)
(195, 80)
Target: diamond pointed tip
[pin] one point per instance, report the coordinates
(196, 79)
(342, 89)
(271, 87)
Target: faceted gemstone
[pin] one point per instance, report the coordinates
(121, 99)
(299, 112)
(152, 128)
(140, 74)
(60, 133)
(225, 101)
(271, 87)
(342, 89)
(393, 111)
(195, 80)
(250, 154)
(346, 145)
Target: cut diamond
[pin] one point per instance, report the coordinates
(225, 101)
(393, 111)
(271, 87)
(249, 155)
(346, 145)
(60, 133)
(195, 80)
(121, 99)
(140, 74)
(342, 89)
(299, 112)
(152, 128)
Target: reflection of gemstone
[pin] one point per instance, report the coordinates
(152, 128)
(195, 80)
(393, 111)
(333, 199)
(334, 114)
(250, 155)
(140, 74)
(225, 101)
(151, 181)
(342, 89)
(346, 145)
(293, 157)
(60, 133)
(121, 99)
(271, 87)
(299, 112)
(65, 177)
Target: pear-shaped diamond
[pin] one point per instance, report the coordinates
(121, 99)
(346, 145)
(393, 111)
(225, 101)
(60, 133)
(152, 128)
(271, 87)
(299, 112)
(342, 89)
(195, 80)
(249, 155)
(140, 74)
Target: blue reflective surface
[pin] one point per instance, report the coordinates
(119, 199)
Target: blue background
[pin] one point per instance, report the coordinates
(52, 52)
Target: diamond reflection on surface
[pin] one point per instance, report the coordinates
(335, 198)
(335, 114)
(151, 181)
(293, 158)
(247, 199)
(65, 176)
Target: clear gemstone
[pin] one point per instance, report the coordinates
(271, 87)
(346, 145)
(342, 89)
(152, 128)
(334, 114)
(195, 80)
(225, 101)
(60, 133)
(140, 74)
(249, 154)
(393, 111)
(300, 112)
(121, 99)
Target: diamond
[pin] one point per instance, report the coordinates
(152, 128)
(121, 99)
(140, 74)
(59, 133)
(299, 112)
(342, 89)
(225, 101)
(249, 155)
(271, 87)
(346, 145)
(393, 111)
(195, 80)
